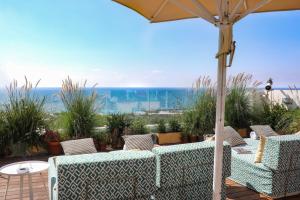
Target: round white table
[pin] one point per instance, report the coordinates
(21, 169)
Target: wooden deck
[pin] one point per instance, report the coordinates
(234, 192)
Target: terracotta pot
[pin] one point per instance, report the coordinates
(243, 132)
(54, 148)
(102, 147)
(184, 139)
(193, 138)
(200, 138)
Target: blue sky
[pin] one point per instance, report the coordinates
(111, 45)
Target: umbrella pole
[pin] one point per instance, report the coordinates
(220, 111)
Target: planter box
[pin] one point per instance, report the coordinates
(169, 138)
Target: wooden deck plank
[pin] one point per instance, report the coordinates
(234, 190)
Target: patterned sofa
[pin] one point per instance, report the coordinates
(175, 172)
(185, 172)
(109, 176)
(279, 173)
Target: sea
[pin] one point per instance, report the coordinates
(121, 100)
(124, 100)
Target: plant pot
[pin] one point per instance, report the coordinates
(184, 139)
(193, 138)
(243, 132)
(102, 147)
(200, 138)
(54, 148)
(169, 138)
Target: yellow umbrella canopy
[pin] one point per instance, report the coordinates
(223, 14)
(168, 10)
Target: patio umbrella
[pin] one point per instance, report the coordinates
(223, 14)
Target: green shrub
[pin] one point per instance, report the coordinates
(24, 115)
(174, 125)
(102, 136)
(237, 105)
(161, 127)
(138, 127)
(5, 139)
(80, 116)
(200, 119)
(278, 117)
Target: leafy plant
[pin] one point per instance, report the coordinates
(161, 128)
(24, 114)
(117, 124)
(138, 127)
(237, 106)
(80, 117)
(278, 117)
(200, 119)
(174, 125)
(5, 138)
(102, 136)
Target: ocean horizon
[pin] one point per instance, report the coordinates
(136, 100)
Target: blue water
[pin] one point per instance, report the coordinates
(123, 100)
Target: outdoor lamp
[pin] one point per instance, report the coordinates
(269, 84)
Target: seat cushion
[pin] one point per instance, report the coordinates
(80, 146)
(263, 130)
(140, 142)
(232, 137)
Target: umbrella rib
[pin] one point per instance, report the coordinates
(158, 11)
(236, 9)
(188, 10)
(250, 10)
(203, 9)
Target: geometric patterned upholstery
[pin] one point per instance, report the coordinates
(279, 173)
(186, 171)
(129, 175)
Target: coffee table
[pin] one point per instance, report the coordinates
(21, 169)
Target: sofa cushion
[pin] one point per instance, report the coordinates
(263, 130)
(232, 137)
(141, 142)
(80, 146)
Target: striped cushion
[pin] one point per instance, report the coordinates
(232, 137)
(263, 130)
(81, 146)
(141, 142)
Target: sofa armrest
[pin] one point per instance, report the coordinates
(282, 153)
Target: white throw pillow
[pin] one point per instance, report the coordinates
(232, 137)
(80, 146)
(263, 130)
(141, 142)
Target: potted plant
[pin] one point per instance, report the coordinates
(52, 140)
(117, 124)
(80, 117)
(103, 140)
(161, 126)
(138, 127)
(237, 106)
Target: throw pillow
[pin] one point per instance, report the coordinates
(263, 130)
(232, 137)
(260, 149)
(142, 142)
(80, 146)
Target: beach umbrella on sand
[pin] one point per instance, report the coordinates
(223, 14)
